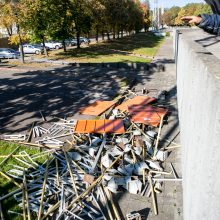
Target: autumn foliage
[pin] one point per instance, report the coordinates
(173, 15)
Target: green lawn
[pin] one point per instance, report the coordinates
(127, 49)
(5, 185)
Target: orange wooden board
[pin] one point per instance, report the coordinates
(147, 114)
(97, 108)
(137, 100)
(100, 126)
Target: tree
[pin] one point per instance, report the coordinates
(170, 15)
(81, 18)
(173, 15)
(146, 9)
(203, 9)
(98, 19)
(61, 19)
(112, 11)
(10, 19)
(37, 19)
(6, 18)
(135, 16)
(192, 9)
(62, 26)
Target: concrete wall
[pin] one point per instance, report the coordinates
(198, 86)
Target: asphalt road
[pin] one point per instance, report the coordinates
(60, 92)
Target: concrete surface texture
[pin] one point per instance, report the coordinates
(61, 91)
(170, 200)
(198, 83)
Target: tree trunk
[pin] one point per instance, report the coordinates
(78, 39)
(108, 35)
(122, 33)
(114, 33)
(103, 35)
(64, 45)
(9, 31)
(97, 35)
(20, 44)
(118, 34)
(22, 51)
(45, 49)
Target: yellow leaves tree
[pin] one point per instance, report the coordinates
(146, 15)
(6, 17)
(191, 9)
(170, 15)
(173, 15)
(15, 38)
(183, 12)
(10, 20)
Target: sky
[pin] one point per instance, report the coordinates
(170, 3)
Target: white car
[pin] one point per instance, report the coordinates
(53, 45)
(32, 49)
(9, 53)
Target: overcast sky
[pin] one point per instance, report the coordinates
(170, 3)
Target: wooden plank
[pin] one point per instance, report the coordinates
(119, 126)
(90, 126)
(137, 100)
(97, 108)
(100, 126)
(81, 126)
(109, 126)
(147, 114)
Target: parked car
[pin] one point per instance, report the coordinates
(84, 40)
(53, 45)
(71, 42)
(32, 49)
(159, 33)
(9, 53)
(39, 45)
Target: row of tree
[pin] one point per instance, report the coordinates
(39, 20)
(173, 16)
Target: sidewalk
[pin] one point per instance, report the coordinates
(170, 200)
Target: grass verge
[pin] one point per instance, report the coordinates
(5, 185)
(139, 48)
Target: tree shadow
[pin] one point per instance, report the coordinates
(60, 92)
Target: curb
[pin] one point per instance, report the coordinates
(117, 65)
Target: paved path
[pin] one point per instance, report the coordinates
(170, 200)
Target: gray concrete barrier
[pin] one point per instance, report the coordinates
(198, 86)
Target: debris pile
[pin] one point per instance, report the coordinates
(85, 161)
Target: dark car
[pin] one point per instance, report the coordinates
(71, 42)
(9, 53)
(84, 40)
